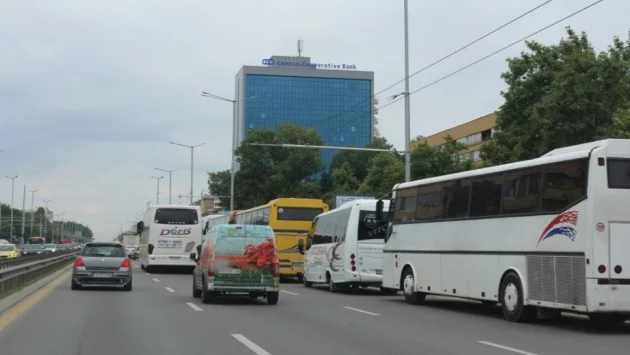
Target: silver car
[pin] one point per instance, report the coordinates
(102, 264)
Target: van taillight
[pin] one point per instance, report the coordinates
(79, 262)
(126, 263)
(354, 268)
(276, 270)
(211, 269)
(352, 262)
(352, 256)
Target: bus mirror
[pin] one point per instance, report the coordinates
(379, 210)
(301, 246)
(193, 256)
(199, 249)
(140, 227)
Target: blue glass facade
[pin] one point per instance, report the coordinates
(339, 109)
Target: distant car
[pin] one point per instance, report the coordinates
(132, 252)
(9, 251)
(33, 249)
(51, 247)
(102, 264)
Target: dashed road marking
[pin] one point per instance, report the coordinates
(194, 306)
(360, 311)
(169, 289)
(290, 293)
(523, 352)
(250, 344)
(146, 273)
(156, 280)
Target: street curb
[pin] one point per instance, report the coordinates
(12, 300)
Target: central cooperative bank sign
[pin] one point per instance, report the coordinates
(276, 63)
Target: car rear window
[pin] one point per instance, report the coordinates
(103, 250)
(618, 173)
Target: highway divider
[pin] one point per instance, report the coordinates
(18, 272)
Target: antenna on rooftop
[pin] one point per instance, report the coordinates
(300, 46)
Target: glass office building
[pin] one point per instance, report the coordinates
(337, 103)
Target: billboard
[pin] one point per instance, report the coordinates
(340, 200)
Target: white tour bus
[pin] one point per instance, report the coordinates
(345, 247)
(540, 236)
(168, 234)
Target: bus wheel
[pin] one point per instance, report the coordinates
(511, 297)
(306, 282)
(411, 296)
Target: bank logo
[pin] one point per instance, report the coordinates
(267, 61)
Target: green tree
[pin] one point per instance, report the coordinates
(427, 161)
(267, 172)
(344, 179)
(559, 95)
(219, 185)
(386, 170)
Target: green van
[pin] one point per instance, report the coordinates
(237, 259)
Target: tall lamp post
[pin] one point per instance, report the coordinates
(46, 219)
(192, 149)
(32, 209)
(157, 192)
(170, 172)
(407, 102)
(12, 194)
(235, 131)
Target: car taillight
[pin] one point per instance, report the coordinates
(79, 262)
(276, 270)
(126, 263)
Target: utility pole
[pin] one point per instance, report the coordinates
(157, 192)
(170, 172)
(46, 219)
(192, 149)
(32, 209)
(12, 194)
(23, 214)
(407, 103)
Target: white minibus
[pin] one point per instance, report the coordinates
(344, 247)
(168, 234)
(541, 236)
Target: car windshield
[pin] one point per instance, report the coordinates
(7, 247)
(103, 250)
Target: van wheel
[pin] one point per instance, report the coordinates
(272, 297)
(332, 287)
(512, 302)
(206, 295)
(409, 282)
(300, 278)
(196, 292)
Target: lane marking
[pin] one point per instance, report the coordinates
(290, 293)
(360, 310)
(194, 306)
(17, 311)
(146, 273)
(156, 280)
(523, 352)
(169, 289)
(250, 344)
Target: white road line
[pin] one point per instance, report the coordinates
(146, 273)
(156, 280)
(505, 348)
(250, 344)
(291, 293)
(194, 306)
(360, 310)
(169, 289)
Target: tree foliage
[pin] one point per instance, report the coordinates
(428, 162)
(561, 95)
(386, 170)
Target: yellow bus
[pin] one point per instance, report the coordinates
(290, 219)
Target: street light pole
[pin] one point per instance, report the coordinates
(235, 132)
(157, 193)
(32, 209)
(407, 103)
(170, 172)
(46, 219)
(192, 149)
(12, 195)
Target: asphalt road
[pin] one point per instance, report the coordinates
(160, 316)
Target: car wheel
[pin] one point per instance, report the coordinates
(272, 297)
(128, 286)
(75, 285)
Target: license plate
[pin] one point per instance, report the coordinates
(174, 257)
(379, 271)
(230, 271)
(102, 274)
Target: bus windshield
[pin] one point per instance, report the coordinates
(298, 213)
(181, 216)
(370, 228)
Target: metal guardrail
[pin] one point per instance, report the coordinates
(19, 271)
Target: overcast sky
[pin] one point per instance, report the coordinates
(91, 92)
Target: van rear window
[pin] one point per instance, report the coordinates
(298, 213)
(176, 216)
(618, 173)
(370, 228)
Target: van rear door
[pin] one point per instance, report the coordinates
(371, 237)
(259, 255)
